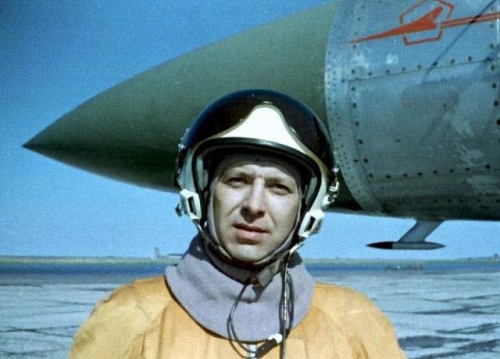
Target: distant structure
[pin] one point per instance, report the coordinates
(171, 258)
(398, 267)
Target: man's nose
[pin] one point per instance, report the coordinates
(255, 200)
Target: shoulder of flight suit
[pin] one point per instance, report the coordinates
(116, 326)
(371, 334)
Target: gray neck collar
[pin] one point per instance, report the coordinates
(208, 295)
(260, 276)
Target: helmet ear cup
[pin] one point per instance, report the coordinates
(311, 223)
(191, 205)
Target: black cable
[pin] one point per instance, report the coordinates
(232, 332)
(286, 313)
(287, 306)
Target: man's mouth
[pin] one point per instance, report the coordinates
(249, 228)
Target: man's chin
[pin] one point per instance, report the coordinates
(247, 258)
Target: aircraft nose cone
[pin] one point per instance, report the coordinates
(103, 138)
(131, 131)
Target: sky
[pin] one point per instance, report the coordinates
(54, 55)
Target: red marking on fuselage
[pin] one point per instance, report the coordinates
(425, 23)
(428, 22)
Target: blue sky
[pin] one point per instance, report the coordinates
(54, 55)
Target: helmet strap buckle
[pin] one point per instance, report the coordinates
(331, 194)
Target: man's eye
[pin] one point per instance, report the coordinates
(236, 181)
(280, 188)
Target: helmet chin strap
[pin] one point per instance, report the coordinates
(261, 271)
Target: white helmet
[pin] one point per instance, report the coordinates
(261, 121)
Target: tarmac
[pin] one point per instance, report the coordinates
(441, 315)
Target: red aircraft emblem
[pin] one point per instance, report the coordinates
(426, 21)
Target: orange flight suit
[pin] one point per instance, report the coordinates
(143, 320)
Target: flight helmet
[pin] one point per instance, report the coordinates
(258, 121)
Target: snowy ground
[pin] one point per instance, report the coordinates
(438, 315)
(447, 315)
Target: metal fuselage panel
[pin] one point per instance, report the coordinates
(412, 92)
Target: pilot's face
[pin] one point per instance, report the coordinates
(256, 202)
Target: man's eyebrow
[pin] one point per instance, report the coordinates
(282, 179)
(236, 171)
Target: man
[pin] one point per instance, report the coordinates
(255, 170)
